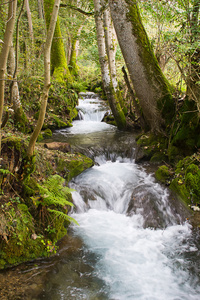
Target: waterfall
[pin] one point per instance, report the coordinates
(136, 241)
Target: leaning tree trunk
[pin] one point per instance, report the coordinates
(148, 80)
(59, 67)
(4, 54)
(106, 79)
(47, 76)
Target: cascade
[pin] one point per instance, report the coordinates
(135, 241)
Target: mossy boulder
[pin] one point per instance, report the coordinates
(70, 168)
(163, 174)
(192, 182)
(151, 147)
(181, 190)
(17, 244)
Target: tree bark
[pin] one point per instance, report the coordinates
(47, 76)
(106, 79)
(40, 9)
(59, 67)
(30, 24)
(111, 45)
(147, 78)
(4, 54)
(193, 78)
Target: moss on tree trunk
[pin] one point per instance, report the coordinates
(59, 67)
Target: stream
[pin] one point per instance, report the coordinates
(133, 240)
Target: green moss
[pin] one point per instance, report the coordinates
(59, 67)
(74, 166)
(21, 120)
(180, 189)
(165, 103)
(192, 182)
(186, 132)
(58, 123)
(47, 133)
(40, 137)
(173, 153)
(158, 157)
(20, 247)
(163, 174)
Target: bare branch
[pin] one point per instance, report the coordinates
(78, 9)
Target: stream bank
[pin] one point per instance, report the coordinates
(34, 205)
(76, 269)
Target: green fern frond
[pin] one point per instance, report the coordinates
(63, 216)
(55, 193)
(6, 172)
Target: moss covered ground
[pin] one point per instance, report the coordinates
(35, 199)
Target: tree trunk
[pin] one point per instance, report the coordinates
(111, 45)
(149, 83)
(193, 78)
(74, 53)
(72, 63)
(59, 68)
(40, 9)
(20, 118)
(30, 24)
(47, 76)
(107, 83)
(4, 54)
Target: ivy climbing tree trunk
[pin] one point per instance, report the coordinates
(47, 76)
(59, 67)
(148, 80)
(105, 73)
(4, 53)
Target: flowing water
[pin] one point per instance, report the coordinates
(133, 240)
(136, 243)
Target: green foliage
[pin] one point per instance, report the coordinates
(192, 182)
(173, 27)
(186, 130)
(54, 193)
(163, 174)
(62, 216)
(47, 133)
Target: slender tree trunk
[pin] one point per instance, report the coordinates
(40, 9)
(4, 54)
(20, 118)
(47, 76)
(59, 67)
(132, 95)
(111, 45)
(74, 53)
(30, 24)
(72, 63)
(107, 83)
(147, 78)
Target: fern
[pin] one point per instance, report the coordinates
(54, 193)
(62, 215)
(6, 172)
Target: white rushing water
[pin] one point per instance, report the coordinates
(134, 262)
(143, 249)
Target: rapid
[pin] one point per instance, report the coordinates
(135, 241)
